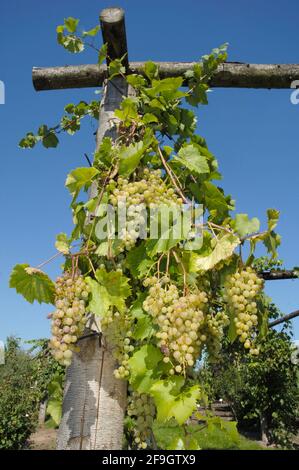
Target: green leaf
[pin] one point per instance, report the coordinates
(100, 299)
(167, 237)
(50, 140)
(32, 284)
(128, 111)
(116, 287)
(116, 283)
(102, 53)
(115, 68)
(71, 24)
(28, 141)
(144, 327)
(272, 241)
(224, 248)
(91, 32)
(172, 402)
(70, 42)
(63, 243)
(143, 364)
(136, 81)
(79, 178)
(214, 199)
(190, 157)
(104, 153)
(130, 157)
(151, 70)
(273, 216)
(245, 226)
(149, 118)
(137, 259)
(167, 434)
(54, 409)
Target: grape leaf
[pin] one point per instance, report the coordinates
(214, 199)
(172, 402)
(143, 366)
(71, 24)
(63, 243)
(151, 70)
(91, 32)
(143, 328)
(190, 157)
(223, 249)
(100, 299)
(54, 409)
(244, 226)
(102, 53)
(273, 216)
(130, 157)
(271, 241)
(32, 284)
(115, 282)
(137, 259)
(79, 178)
(50, 140)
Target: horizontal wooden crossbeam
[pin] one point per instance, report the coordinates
(284, 319)
(279, 275)
(229, 74)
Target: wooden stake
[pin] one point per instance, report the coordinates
(94, 400)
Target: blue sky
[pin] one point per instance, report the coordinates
(253, 133)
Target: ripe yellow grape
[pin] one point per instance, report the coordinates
(142, 409)
(69, 317)
(243, 304)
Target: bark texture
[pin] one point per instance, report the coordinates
(94, 400)
(284, 318)
(279, 275)
(229, 74)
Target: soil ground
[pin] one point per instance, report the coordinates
(43, 439)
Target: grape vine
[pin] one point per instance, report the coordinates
(162, 302)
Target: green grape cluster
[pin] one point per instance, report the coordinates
(69, 318)
(180, 320)
(149, 192)
(215, 323)
(142, 409)
(241, 290)
(116, 329)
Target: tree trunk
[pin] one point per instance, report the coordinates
(264, 429)
(94, 400)
(42, 413)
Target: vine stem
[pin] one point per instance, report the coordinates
(99, 202)
(167, 262)
(49, 260)
(179, 261)
(170, 174)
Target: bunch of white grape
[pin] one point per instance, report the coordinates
(213, 330)
(69, 318)
(136, 196)
(150, 190)
(241, 290)
(141, 407)
(135, 223)
(116, 329)
(180, 320)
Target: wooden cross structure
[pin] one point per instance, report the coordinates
(94, 400)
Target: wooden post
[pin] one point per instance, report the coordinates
(42, 413)
(94, 400)
(229, 74)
